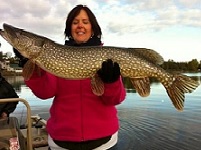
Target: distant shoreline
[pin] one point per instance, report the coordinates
(10, 73)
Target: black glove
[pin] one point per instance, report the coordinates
(109, 72)
(22, 59)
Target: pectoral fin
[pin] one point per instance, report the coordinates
(97, 85)
(29, 68)
(142, 86)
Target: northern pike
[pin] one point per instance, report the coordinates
(139, 64)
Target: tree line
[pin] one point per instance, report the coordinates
(190, 66)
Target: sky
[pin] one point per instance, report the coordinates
(170, 27)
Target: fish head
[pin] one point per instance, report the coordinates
(5, 35)
(28, 44)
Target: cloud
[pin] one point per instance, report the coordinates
(190, 4)
(126, 22)
(21, 9)
(146, 16)
(48, 17)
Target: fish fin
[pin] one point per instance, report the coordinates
(142, 86)
(181, 85)
(97, 85)
(38, 70)
(149, 54)
(28, 69)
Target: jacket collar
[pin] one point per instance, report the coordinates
(93, 41)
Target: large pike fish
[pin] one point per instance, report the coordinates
(83, 62)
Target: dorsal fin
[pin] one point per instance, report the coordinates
(149, 55)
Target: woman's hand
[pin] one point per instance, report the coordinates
(3, 115)
(109, 72)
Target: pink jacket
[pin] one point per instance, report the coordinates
(76, 113)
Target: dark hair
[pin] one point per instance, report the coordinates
(74, 12)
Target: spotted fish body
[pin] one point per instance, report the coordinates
(74, 63)
(83, 62)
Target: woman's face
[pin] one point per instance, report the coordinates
(81, 29)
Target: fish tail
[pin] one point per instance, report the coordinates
(181, 84)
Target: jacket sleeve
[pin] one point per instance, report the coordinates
(114, 93)
(9, 107)
(44, 86)
(7, 91)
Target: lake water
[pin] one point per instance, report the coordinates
(150, 123)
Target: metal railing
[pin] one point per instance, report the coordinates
(29, 125)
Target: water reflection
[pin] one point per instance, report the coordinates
(152, 123)
(16, 81)
(153, 81)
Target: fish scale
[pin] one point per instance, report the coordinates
(139, 64)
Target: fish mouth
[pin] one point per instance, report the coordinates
(1, 32)
(4, 34)
(10, 34)
(10, 31)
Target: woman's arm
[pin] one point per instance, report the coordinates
(114, 93)
(44, 85)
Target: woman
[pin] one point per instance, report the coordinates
(80, 120)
